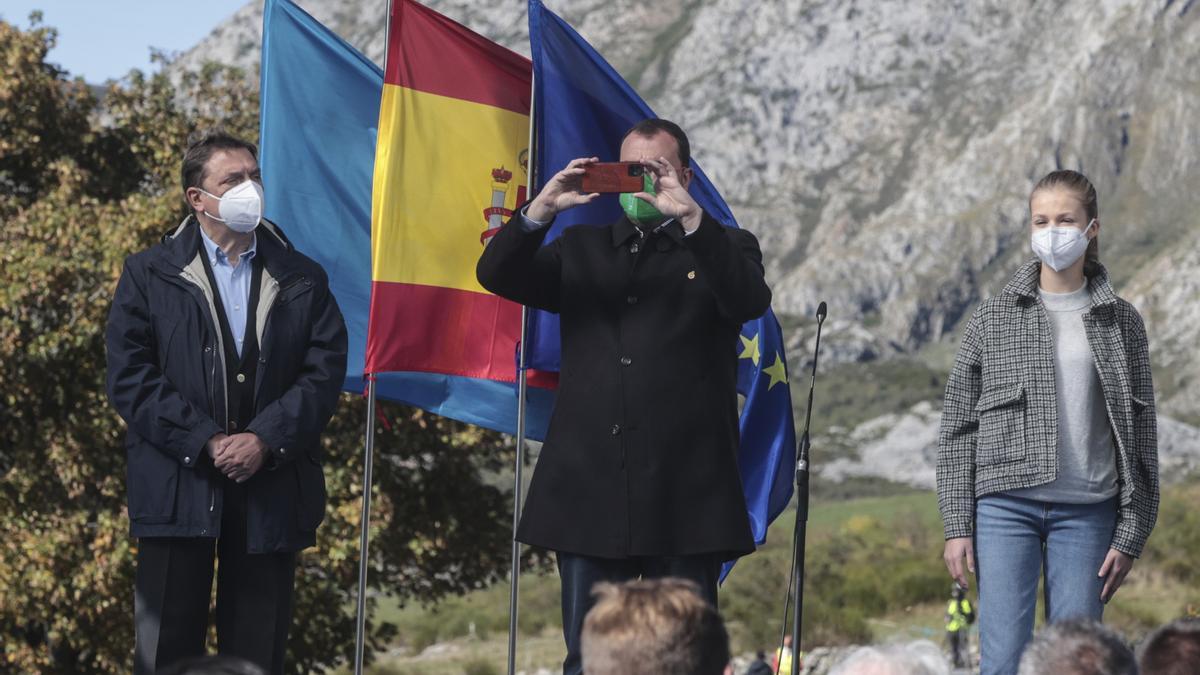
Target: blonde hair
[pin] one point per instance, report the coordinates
(1086, 192)
(653, 627)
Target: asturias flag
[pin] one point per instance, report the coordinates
(583, 109)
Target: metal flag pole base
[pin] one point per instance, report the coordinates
(365, 521)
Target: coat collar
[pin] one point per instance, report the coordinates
(1025, 283)
(624, 229)
(182, 245)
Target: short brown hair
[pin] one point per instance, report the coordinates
(653, 626)
(1173, 649)
(1077, 647)
(1086, 192)
(201, 146)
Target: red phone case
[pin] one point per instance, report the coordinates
(613, 177)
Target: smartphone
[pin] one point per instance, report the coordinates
(613, 177)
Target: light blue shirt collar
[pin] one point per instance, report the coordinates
(216, 255)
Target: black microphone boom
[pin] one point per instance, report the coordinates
(796, 579)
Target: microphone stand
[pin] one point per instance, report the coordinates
(800, 532)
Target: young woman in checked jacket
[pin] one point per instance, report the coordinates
(1047, 454)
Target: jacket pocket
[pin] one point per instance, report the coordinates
(310, 486)
(152, 479)
(1001, 436)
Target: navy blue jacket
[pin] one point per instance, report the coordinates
(166, 378)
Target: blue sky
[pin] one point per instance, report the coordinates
(103, 39)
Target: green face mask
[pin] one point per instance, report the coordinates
(641, 213)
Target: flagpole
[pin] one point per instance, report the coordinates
(522, 410)
(368, 457)
(360, 619)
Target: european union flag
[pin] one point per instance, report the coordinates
(583, 108)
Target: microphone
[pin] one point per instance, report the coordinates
(822, 310)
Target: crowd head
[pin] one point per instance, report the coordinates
(1173, 649)
(653, 626)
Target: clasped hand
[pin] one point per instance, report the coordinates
(239, 456)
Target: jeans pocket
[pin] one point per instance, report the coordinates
(1001, 436)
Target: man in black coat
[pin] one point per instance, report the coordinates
(638, 476)
(226, 354)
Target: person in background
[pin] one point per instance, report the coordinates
(783, 656)
(959, 617)
(759, 665)
(1048, 450)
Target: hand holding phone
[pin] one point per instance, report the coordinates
(610, 177)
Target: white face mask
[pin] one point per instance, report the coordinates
(241, 206)
(1059, 247)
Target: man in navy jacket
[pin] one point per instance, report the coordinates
(226, 354)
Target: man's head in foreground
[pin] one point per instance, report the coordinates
(1173, 649)
(653, 626)
(1077, 647)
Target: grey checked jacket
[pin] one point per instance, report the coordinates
(999, 428)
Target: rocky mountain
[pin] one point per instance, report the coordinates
(883, 151)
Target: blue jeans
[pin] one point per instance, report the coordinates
(1015, 539)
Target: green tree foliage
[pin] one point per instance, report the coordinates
(85, 183)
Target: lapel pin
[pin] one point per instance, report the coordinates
(692, 274)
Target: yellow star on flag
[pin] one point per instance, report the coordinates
(750, 349)
(777, 371)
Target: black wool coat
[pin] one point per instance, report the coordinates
(166, 378)
(641, 455)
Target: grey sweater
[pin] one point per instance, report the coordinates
(1087, 470)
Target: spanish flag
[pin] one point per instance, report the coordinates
(451, 164)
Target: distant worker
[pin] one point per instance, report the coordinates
(783, 656)
(759, 665)
(959, 617)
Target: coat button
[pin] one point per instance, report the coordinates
(626, 361)
(616, 429)
(283, 451)
(187, 460)
(631, 299)
(241, 377)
